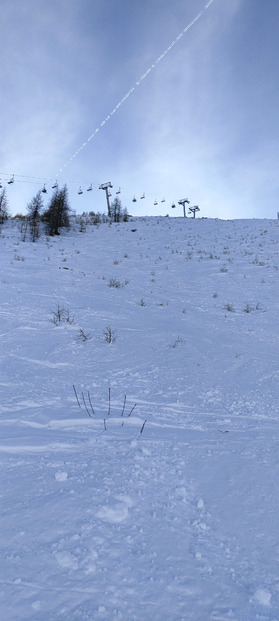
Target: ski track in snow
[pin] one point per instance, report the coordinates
(162, 504)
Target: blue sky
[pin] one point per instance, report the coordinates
(203, 124)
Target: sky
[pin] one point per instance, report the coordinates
(202, 124)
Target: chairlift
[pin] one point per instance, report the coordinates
(44, 190)
(90, 188)
(143, 195)
(12, 180)
(134, 200)
(118, 191)
(163, 200)
(80, 190)
(173, 206)
(155, 202)
(55, 186)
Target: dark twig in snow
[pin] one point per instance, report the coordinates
(109, 403)
(85, 405)
(143, 426)
(124, 405)
(89, 399)
(132, 409)
(76, 396)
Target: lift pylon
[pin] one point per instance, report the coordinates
(183, 202)
(106, 186)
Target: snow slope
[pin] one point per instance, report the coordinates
(152, 495)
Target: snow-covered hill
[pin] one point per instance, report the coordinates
(140, 476)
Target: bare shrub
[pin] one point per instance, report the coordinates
(178, 341)
(114, 283)
(109, 335)
(61, 314)
(229, 307)
(84, 336)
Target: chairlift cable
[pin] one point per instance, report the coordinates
(11, 179)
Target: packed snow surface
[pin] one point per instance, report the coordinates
(139, 477)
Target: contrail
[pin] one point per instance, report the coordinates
(139, 81)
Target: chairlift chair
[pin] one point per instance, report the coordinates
(163, 200)
(143, 195)
(80, 190)
(55, 186)
(1, 185)
(173, 206)
(155, 202)
(134, 200)
(118, 191)
(90, 188)
(44, 190)
(12, 180)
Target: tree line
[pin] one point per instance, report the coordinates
(57, 215)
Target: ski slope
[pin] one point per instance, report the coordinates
(152, 493)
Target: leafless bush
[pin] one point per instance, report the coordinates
(115, 283)
(249, 309)
(61, 314)
(109, 335)
(84, 336)
(178, 341)
(58, 314)
(229, 307)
